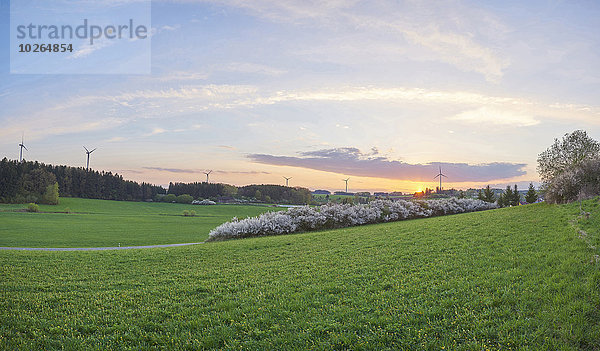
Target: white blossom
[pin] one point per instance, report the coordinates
(330, 216)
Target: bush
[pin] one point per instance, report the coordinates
(579, 183)
(184, 199)
(332, 216)
(570, 169)
(169, 198)
(186, 213)
(192, 213)
(68, 210)
(567, 154)
(33, 207)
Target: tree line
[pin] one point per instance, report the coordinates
(28, 181)
(264, 192)
(276, 193)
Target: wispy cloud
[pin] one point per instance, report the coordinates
(156, 131)
(440, 31)
(241, 172)
(187, 99)
(173, 170)
(199, 171)
(495, 116)
(353, 162)
(87, 49)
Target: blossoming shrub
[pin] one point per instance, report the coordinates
(580, 182)
(331, 216)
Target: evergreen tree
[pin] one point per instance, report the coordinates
(488, 195)
(516, 198)
(531, 195)
(480, 195)
(508, 196)
(501, 200)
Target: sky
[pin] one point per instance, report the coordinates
(383, 92)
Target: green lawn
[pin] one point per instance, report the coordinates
(514, 278)
(108, 223)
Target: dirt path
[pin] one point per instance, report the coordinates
(94, 248)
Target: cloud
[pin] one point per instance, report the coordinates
(241, 172)
(443, 31)
(157, 131)
(494, 116)
(173, 170)
(248, 67)
(352, 162)
(170, 28)
(199, 171)
(168, 103)
(87, 49)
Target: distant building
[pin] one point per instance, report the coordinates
(381, 194)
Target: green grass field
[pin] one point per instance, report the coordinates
(514, 278)
(95, 223)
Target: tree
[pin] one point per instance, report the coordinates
(566, 154)
(531, 195)
(461, 194)
(480, 195)
(488, 195)
(508, 196)
(570, 169)
(184, 199)
(501, 200)
(516, 197)
(37, 181)
(169, 198)
(51, 195)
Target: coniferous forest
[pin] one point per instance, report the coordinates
(28, 181)
(32, 181)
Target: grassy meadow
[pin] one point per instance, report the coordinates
(513, 278)
(94, 223)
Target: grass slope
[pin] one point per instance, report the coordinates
(108, 223)
(514, 278)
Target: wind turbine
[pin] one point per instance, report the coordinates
(346, 180)
(440, 175)
(88, 152)
(22, 146)
(287, 180)
(207, 173)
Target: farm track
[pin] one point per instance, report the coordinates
(95, 248)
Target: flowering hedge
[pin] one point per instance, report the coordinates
(330, 216)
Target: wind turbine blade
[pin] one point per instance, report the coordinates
(444, 175)
(86, 150)
(25, 147)
(93, 150)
